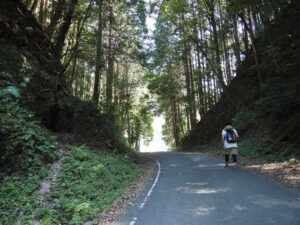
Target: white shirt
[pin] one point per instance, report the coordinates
(226, 144)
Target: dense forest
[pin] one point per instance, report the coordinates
(91, 72)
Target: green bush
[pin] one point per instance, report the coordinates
(245, 119)
(26, 148)
(24, 142)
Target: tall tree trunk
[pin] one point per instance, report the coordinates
(110, 64)
(181, 127)
(200, 86)
(189, 90)
(41, 13)
(209, 92)
(245, 32)
(64, 28)
(224, 42)
(73, 73)
(116, 90)
(237, 46)
(99, 54)
(56, 16)
(216, 44)
(173, 112)
(193, 103)
(174, 121)
(248, 29)
(34, 5)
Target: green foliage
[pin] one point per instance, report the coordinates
(266, 7)
(10, 91)
(162, 85)
(251, 148)
(26, 148)
(18, 193)
(292, 161)
(24, 142)
(278, 96)
(255, 149)
(89, 183)
(245, 120)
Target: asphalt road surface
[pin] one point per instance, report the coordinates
(194, 189)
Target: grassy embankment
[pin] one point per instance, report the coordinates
(89, 183)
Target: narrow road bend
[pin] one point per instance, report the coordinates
(195, 189)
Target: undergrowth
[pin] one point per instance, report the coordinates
(18, 194)
(24, 141)
(27, 150)
(89, 183)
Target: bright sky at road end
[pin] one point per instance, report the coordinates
(157, 144)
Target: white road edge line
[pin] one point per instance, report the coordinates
(151, 189)
(134, 219)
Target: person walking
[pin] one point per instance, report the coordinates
(229, 140)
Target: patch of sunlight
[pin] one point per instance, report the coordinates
(173, 165)
(240, 208)
(157, 144)
(209, 165)
(197, 184)
(208, 191)
(188, 190)
(202, 211)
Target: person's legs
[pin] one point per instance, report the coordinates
(226, 159)
(234, 153)
(234, 158)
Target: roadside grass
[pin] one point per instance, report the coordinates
(89, 183)
(18, 194)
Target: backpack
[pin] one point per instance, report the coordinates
(230, 136)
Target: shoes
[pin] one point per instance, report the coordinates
(234, 164)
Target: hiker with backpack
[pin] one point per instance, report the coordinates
(229, 139)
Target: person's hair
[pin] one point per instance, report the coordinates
(228, 123)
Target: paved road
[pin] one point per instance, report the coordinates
(194, 189)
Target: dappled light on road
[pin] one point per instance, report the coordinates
(202, 211)
(188, 190)
(196, 189)
(199, 183)
(240, 208)
(221, 165)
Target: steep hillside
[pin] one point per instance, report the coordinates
(30, 64)
(268, 113)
